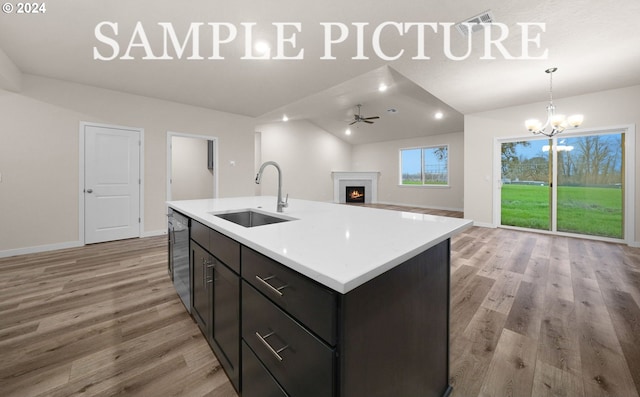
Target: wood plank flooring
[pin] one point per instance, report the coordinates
(539, 315)
(531, 315)
(102, 320)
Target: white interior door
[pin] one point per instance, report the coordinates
(112, 183)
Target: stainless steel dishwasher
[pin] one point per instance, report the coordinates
(179, 256)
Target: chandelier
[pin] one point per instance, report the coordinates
(556, 123)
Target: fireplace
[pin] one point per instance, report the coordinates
(366, 179)
(354, 194)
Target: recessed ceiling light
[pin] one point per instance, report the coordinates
(438, 115)
(262, 47)
(348, 131)
(285, 118)
(382, 87)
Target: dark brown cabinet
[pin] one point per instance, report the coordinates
(261, 383)
(302, 363)
(387, 337)
(216, 295)
(225, 323)
(279, 333)
(201, 308)
(311, 303)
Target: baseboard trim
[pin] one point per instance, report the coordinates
(154, 233)
(484, 224)
(432, 207)
(40, 248)
(68, 244)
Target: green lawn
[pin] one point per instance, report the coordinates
(585, 210)
(419, 183)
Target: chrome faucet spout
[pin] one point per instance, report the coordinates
(281, 204)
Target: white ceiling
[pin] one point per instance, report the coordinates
(594, 43)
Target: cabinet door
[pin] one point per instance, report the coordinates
(201, 297)
(225, 325)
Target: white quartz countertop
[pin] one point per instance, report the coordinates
(340, 246)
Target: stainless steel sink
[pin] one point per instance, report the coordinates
(249, 218)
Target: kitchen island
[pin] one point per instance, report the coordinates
(336, 300)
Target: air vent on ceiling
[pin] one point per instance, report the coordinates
(475, 23)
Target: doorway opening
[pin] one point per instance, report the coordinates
(192, 170)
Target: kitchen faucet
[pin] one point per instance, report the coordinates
(281, 204)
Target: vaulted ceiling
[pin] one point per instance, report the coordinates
(594, 43)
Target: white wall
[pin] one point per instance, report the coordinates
(39, 155)
(385, 157)
(306, 154)
(190, 176)
(601, 110)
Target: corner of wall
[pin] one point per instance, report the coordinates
(10, 74)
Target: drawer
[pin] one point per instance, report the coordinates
(200, 234)
(256, 380)
(299, 361)
(225, 249)
(312, 304)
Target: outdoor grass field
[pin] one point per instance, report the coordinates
(585, 210)
(419, 183)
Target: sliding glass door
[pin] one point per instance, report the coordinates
(590, 185)
(526, 182)
(572, 184)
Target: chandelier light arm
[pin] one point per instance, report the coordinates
(557, 122)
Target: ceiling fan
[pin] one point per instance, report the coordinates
(357, 118)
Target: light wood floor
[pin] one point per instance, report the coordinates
(103, 320)
(532, 315)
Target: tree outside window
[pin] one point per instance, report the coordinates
(425, 166)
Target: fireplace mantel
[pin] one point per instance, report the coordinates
(367, 178)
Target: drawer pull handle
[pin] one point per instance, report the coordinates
(206, 266)
(273, 351)
(271, 287)
(210, 265)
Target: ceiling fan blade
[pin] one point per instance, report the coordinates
(367, 121)
(371, 118)
(353, 122)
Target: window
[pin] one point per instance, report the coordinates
(425, 166)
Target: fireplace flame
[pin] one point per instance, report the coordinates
(356, 194)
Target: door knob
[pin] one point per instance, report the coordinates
(89, 190)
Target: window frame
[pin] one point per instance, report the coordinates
(422, 173)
